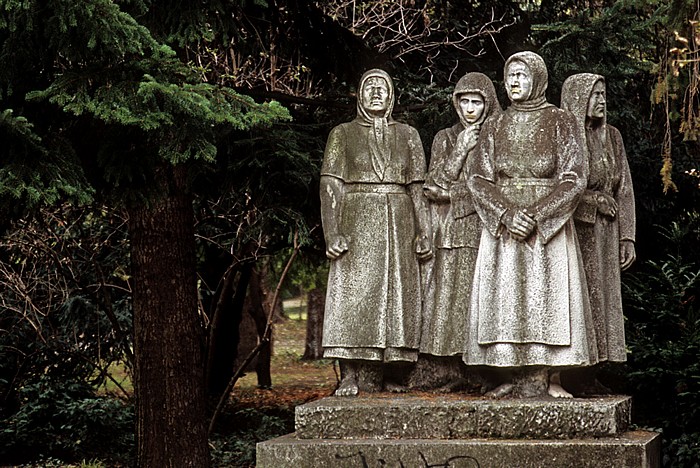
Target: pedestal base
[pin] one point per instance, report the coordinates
(451, 417)
(449, 431)
(637, 449)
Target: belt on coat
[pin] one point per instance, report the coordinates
(375, 188)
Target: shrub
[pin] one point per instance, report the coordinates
(663, 336)
(246, 428)
(65, 420)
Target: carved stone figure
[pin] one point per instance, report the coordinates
(529, 311)
(605, 217)
(456, 230)
(376, 227)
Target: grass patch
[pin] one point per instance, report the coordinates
(121, 377)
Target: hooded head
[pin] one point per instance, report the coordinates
(576, 93)
(362, 112)
(534, 64)
(378, 137)
(480, 84)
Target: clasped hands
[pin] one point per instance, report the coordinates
(606, 205)
(520, 223)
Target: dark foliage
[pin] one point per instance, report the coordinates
(663, 336)
(65, 318)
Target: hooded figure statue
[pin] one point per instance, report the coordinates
(605, 217)
(376, 227)
(529, 310)
(456, 230)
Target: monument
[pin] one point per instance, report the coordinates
(376, 226)
(456, 230)
(532, 174)
(529, 311)
(604, 218)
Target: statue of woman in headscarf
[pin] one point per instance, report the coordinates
(530, 312)
(605, 217)
(456, 232)
(376, 226)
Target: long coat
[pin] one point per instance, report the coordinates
(456, 231)
(600, 235)
(529, 303)
(373, 303)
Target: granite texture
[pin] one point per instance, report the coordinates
(629, 450)
(415, 417)
(605, 217)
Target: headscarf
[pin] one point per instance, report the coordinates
(575, 95)
(476, 83)
(379, 144)
(536, 100)
(576, 92)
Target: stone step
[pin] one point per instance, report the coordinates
(637, 449)
(380, 416)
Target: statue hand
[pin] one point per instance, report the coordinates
(467, 138)
(336, 245)
(424, 251)
(436, 194)
(607, 205)
(519, 224)
(627, 254)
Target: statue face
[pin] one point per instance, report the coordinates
(472, 106)
(596, 103)
(518, 81)
(375, 96)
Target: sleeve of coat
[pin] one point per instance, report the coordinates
(625, 191)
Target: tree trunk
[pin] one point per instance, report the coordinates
(224, 335)
(316, 304)
(168, 337)
(259, 314)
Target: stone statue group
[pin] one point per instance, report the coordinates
(501, 259)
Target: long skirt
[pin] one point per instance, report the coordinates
(445, 325)
(373, 302)
(600, 248)
(529, 304)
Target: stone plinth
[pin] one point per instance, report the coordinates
(431, 417)
(629, 450)
(427, 431)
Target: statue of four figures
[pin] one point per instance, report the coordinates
(504, 254)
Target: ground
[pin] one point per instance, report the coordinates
(294, 381)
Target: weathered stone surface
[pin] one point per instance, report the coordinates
(529, 305)
(447, 417)
(630, 450)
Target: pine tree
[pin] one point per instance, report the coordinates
(98, 100)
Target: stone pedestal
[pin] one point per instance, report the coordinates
(454, 431)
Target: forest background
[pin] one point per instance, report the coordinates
(160, 161)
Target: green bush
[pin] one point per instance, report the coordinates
(64, 319)
(244, 429)
(663, 336)
(64, 419)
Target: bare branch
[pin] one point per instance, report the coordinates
(264, 340)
